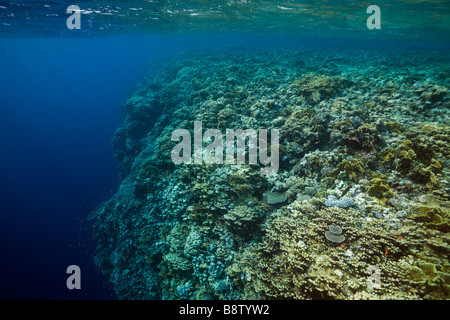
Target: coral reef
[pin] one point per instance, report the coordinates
(334, 234)
(242, 220)
(275, 197)
(344, 202)
(314, 88)
(362, 189)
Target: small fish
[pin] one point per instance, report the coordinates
(385, 251)
(342, 245)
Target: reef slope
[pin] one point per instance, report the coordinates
(359, 208)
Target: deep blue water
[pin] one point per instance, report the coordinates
(60, 104)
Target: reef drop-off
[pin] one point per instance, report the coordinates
(364, 161)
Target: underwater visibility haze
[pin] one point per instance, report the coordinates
(219, 150)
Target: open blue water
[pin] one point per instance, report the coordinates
(61, 94)
(60, 104)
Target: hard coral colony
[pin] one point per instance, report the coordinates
(363, 180)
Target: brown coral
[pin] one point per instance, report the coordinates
(315, 88)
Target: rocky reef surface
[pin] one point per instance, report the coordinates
(359, 207)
